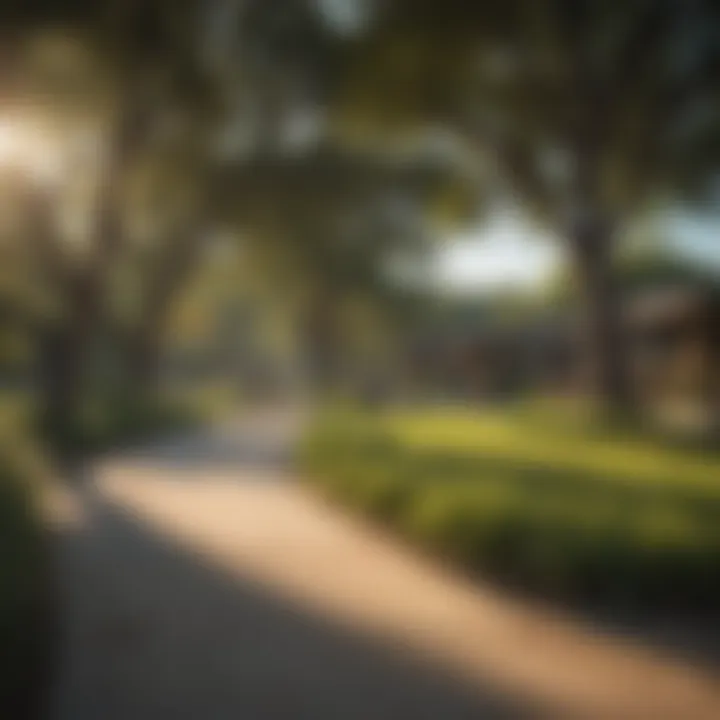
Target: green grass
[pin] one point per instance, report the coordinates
(557, 507)
(621, 457)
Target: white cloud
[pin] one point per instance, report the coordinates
(505, 253)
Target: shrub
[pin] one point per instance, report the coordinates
(104, 425)
(562, 533)
(25, 598)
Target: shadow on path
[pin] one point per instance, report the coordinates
(154, 632)
(267, 624)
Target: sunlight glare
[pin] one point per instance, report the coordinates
(26, 148)
(8, 142)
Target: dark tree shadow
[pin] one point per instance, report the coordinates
(154, 632)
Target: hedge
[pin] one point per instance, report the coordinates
(532, 526)
(26, 597)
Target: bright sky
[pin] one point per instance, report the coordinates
(346, 15)
(503, 254)
(698, 238)
(508, 254)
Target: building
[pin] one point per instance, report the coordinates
(673, 337)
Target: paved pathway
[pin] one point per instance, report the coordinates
(199, 583)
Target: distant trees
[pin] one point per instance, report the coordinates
(323, 229)
(169, 123)
(180, 120)
(584, 113)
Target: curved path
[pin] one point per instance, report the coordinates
(199, 583)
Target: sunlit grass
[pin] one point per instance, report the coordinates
(510, 435)
(563, 508)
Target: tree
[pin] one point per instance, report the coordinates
(157, 84)
(584, 113)
(115, 80)
(325, 226)
(273, 66)
(192, 112)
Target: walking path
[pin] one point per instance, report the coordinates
(200, 583)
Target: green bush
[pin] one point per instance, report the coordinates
(25, 598)
(103, 425)
(560, 532)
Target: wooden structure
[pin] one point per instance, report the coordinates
(675, 340)
(673, 337)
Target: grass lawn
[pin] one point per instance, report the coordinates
(557, 446)
(534, 499)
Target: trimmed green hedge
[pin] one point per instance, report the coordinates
(562, 533)
(26, 602)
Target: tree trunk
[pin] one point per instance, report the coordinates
(605, 343)
(63, 348)
(321, 344)
(713, 372)
(144, 343)
(60, 375)
(64, 352)
(142, 361)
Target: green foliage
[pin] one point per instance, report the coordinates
(105, 425)
(660, 268)
(655, 265)
(133, 421)
(576, 516)
(25, 601)
(583, 116)
(580, 102)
